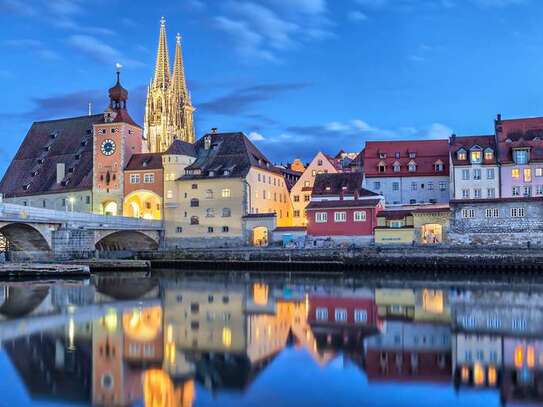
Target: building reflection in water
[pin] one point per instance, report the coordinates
(82, 343)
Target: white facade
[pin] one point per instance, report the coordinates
(475, 181)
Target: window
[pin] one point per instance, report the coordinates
(148, 178)
(465, 193)
(307, 198)
(382, 155)
(396, 224)
(468, 213)
(413, 186)
(412, 201)
(194, 220)
(527, 191)
(381, 167)
(518, 212)
(491, 193)
(360, 216)
(194, 203)
(321, 217)
(134, 178)
(179, 229)
(490, 173)
(340, 216)
(307, 184)
(412, 167)
(521, 156)
(341, 314)
(439, 166)
(225, 193)
(226, 213)
(263, 194)
(210, 229)
(539, 189)
(492, 213)
(489, 154)
(539, 172)
(465, 175)
(313, 173)
(376, 185)
(515, 173)
(395, 186)
(210, 213)
(396, 167)
(477, 194)
(319, 162)
(443, 186)
(225, 229)
(412, 154)
(209, 194)
(520, 324)
(461, 155)
(476, 156)
(515, 191)
(194, 186)
(296, 213)
(259, 177)
(360, 315)
(477, 174)
(169, 194)
(321, 314)
(430, 186)
(397, 154)
(296, 198)
(527, 175)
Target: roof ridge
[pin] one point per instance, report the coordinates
(68, 118)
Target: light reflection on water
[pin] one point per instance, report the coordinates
(208, 342)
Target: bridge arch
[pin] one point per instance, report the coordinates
(21, 301)
(127, 240)
(24, 237)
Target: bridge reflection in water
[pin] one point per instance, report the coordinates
(189, 342)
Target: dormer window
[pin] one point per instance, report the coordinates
(412, 166)
(381, 167)
(211, 173)
(53, 135)
(397, 155)
(412, 155)
(26, 187)
(382, 156)
(476, 156)
(396, 167)
(439, 166)
(226, 173)
(461, 155)
(489, 154)
(521, 156)
(343, 188)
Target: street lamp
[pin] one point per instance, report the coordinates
(72, 201)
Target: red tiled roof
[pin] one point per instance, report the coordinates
(497, 200)
(467, 142)
(145, 161)
(515, 133)
(354, 203)
(427, 153)
(341, 183)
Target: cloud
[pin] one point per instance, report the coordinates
(413, 5)
(438, 131)
(34, 46)
(18, 7)
(64, 7)
(100, 51)
(356, 16)
(310, 7)
(255, 136)
(241, 100)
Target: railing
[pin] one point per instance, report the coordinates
(11, 212)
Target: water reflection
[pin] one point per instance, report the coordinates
(189, 342)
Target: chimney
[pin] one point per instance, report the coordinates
(499, 117)
(453, 139)
(61, 172)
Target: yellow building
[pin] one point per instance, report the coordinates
(300, 193)
(229, 181)
(413, 224)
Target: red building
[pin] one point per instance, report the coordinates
(340, 207)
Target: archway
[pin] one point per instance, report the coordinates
(110, 208)
(432, 233)
(126, 240)
(22, 301)
(143, 204)
(259, 236)
(23, 237)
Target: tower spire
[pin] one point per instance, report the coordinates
(179, 82)
(162, 68)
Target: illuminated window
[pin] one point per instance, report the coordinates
(169, 194)
(225, 193)
(515, 173)
(461, 155)
(527, 175)
(539, 172)
(489, 154)
(360, 216)
(476, 156)
(227, 337)
(321, 217)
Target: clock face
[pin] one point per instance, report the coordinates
(108, 147)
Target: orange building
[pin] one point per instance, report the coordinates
(144, 186)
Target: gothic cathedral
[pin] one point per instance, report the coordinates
(169, 111)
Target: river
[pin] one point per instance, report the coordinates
(225, 340)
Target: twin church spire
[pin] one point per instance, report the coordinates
(169, 110)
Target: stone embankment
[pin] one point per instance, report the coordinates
(463, 261)
(9, 270)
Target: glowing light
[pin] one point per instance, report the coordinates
(464, 373)
(478, 374)
(169, 333)
(71, 334)
(110, 320)
(227, 337)
(530, 356)
(260, 294)
(492, 376)
(519, 357)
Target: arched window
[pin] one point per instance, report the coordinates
(194, 202)
(381, 167)
(461, 154)
(209, 194)
(489, 154)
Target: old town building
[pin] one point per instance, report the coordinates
(169, 110)
(230, 195)
(475, 173)
(301, 191)
(341, 210)
(409, 171)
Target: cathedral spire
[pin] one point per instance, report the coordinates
(162, 68)
(179, 82)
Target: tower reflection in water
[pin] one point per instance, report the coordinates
(117, 342)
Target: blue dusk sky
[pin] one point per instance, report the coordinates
(298, 76)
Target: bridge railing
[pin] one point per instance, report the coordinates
(20, 213)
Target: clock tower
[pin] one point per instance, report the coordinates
(116, 139)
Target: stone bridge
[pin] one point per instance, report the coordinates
(35, 231)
